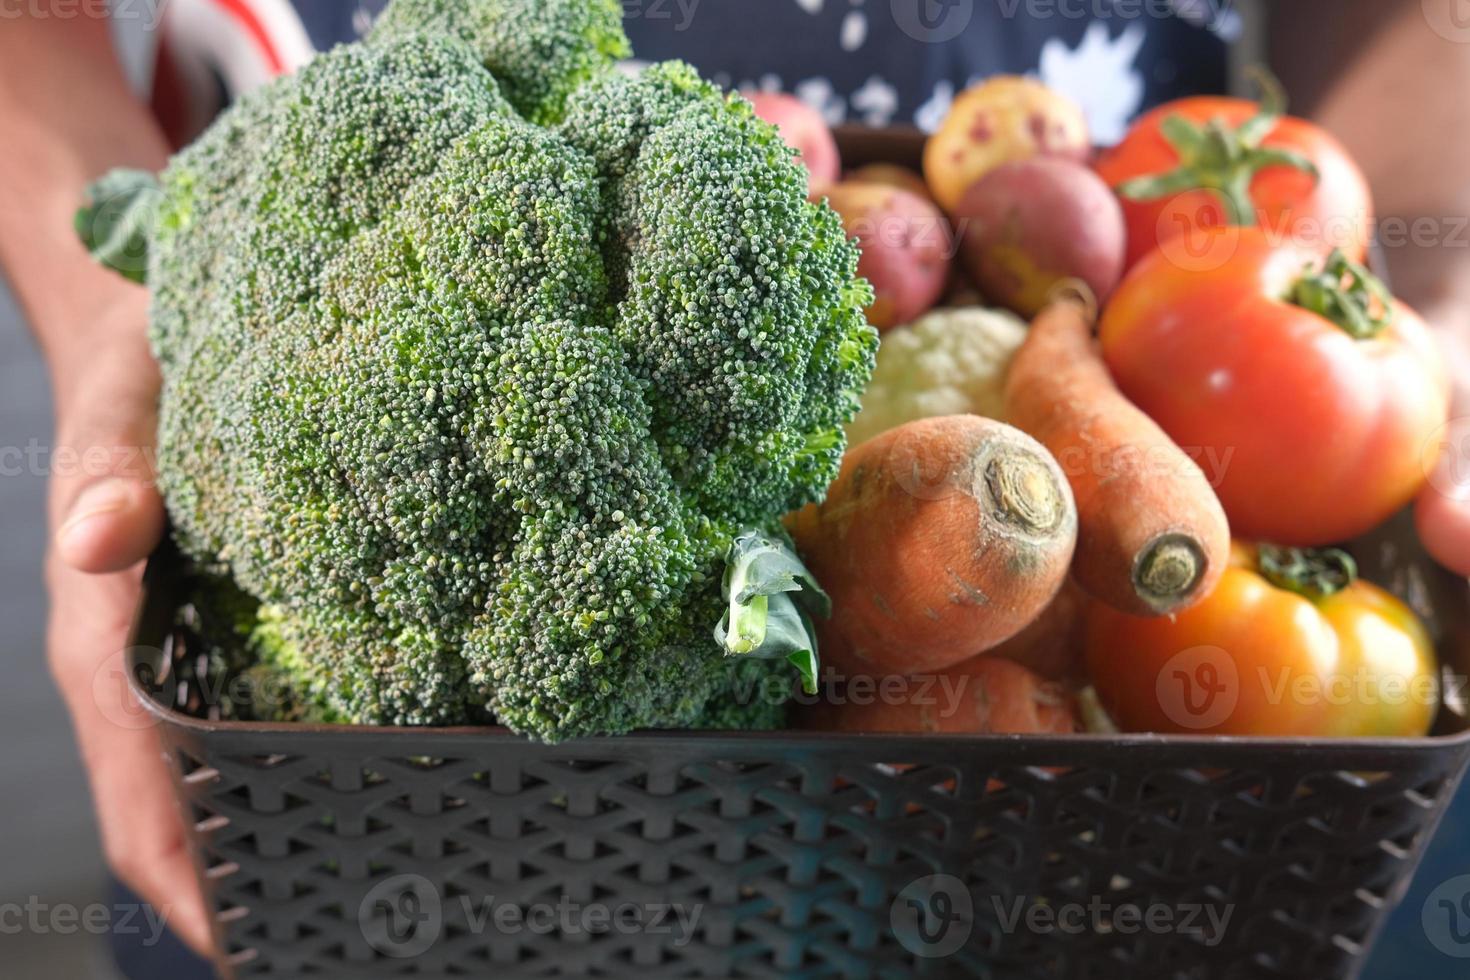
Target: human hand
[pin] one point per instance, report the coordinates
(1442, 512)
(106, 516)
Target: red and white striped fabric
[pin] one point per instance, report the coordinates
(210, 51)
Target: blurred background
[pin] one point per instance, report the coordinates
(49, 853)
(48, 849)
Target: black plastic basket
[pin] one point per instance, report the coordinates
(361, 852)
(365, 852)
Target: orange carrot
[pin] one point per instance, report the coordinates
(1152, 537)
(983, 695)
(1054, 645)
(939, 540)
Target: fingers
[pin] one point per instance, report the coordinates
(114, 523)
(142, 827)
(1444, 527)
(106, 509)
(1442, 511)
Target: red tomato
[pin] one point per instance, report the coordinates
(1219, 161)
(1257, 657)
(1310, 434)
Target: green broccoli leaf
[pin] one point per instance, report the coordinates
(116, 222)
(770, 599)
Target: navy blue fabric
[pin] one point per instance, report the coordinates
(911, 47)
(137, 959)
(740, 43)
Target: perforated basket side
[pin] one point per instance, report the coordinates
(795, 848)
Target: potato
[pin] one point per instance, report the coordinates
(805, 130)
(907, 248)
(891, 175)
(1029, 225)
(1000, 121)
(985, 695)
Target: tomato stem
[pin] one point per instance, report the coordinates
(1346, 293)
(1314, 573)
(1217, 158)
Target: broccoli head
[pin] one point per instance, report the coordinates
(479, 356)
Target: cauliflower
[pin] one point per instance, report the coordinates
(950, 362)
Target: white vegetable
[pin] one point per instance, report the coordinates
(949, 362)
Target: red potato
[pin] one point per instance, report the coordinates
(982, 696)
(999, 121)
(907, 249)
(806, 131)
(939, 540)
(1029, 225)
(891, 175)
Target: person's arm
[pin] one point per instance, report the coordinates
(67, 116)
(1391, 79)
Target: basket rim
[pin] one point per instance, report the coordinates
(500, 734)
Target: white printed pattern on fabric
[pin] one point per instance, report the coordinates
(1100, 75)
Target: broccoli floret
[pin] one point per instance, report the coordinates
(540, 52)
(476, 406)
(734, 295)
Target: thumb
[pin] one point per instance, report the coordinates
(106, 506)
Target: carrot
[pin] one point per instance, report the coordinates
(939, 540)
(1152, 538)
(983, 695)
(1053, 645)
